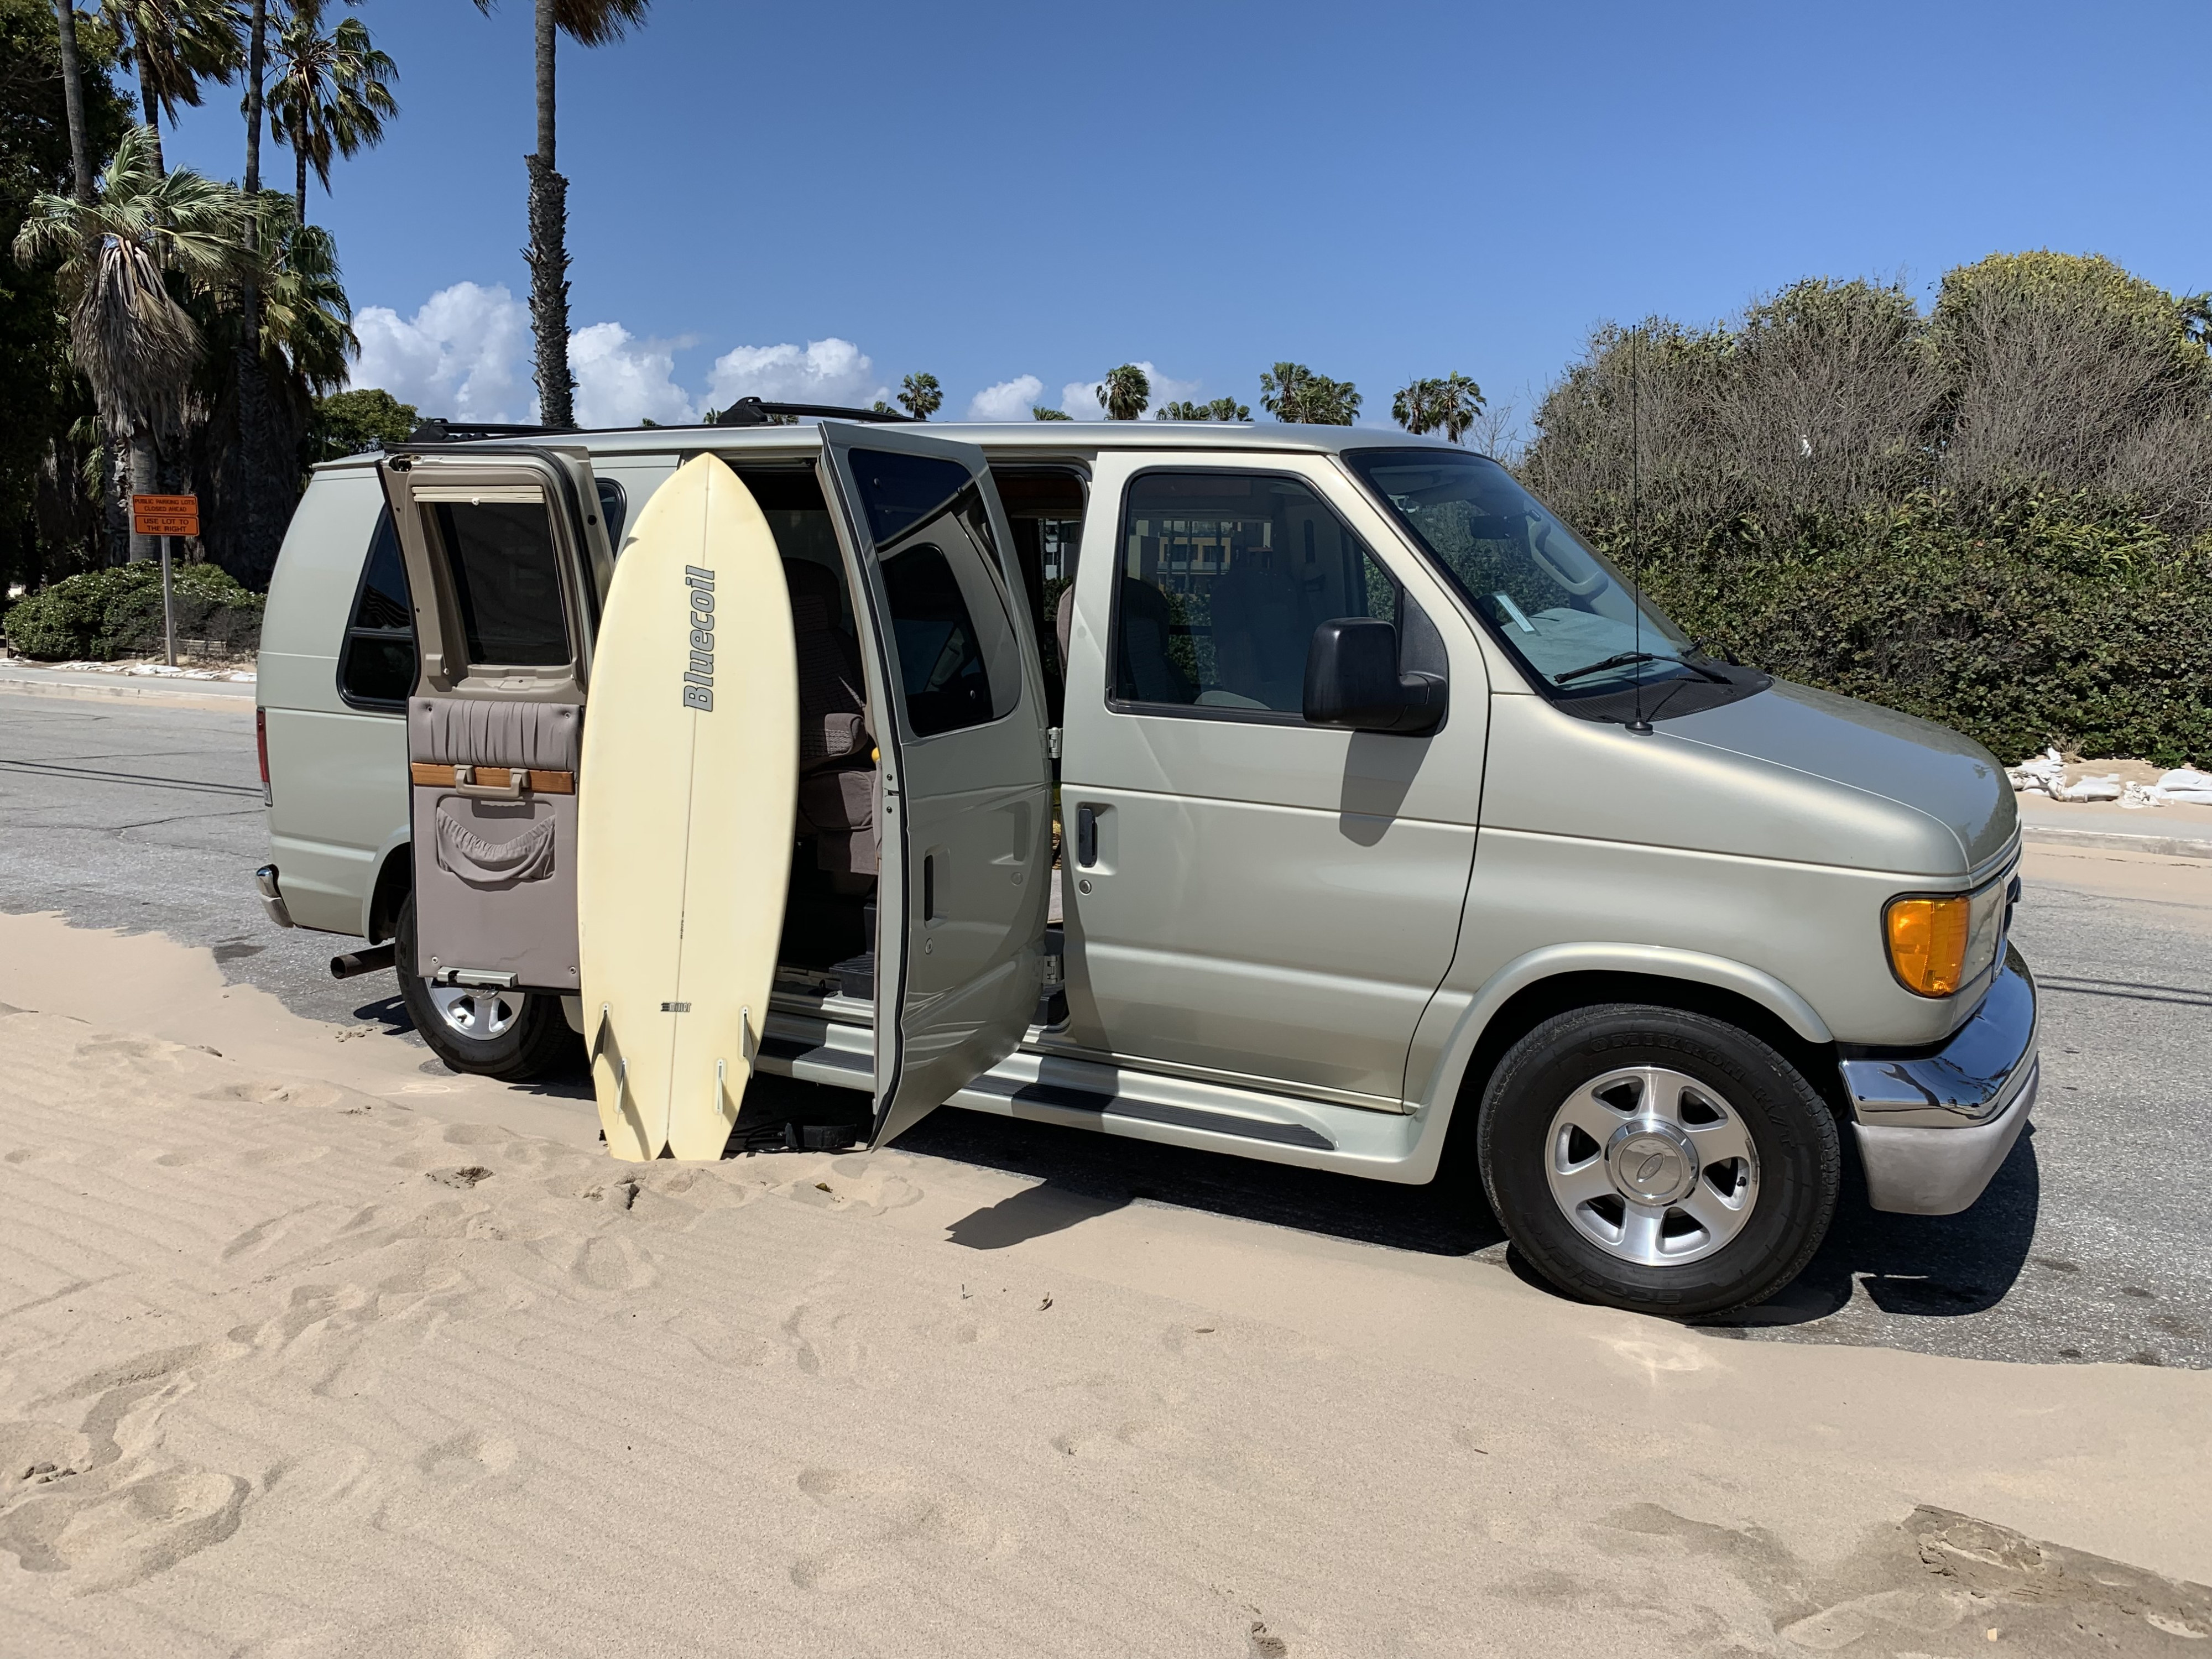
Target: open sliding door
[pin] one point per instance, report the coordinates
(961, 719)
(507, 561)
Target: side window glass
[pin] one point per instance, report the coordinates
(899, 490)
(507, 578)
(376, 663)
(614, 509)
(940, 655)
(951, 621)
(1224, 578)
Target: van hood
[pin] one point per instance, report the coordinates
(1917, 763)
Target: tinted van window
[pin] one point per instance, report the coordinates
(376, 663)
(898, 490)
(940, 655)
(507, 578)
(1224, 576)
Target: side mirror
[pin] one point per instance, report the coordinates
(1352, 680)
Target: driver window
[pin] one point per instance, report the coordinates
(1224, 578)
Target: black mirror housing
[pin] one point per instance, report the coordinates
(1352, 681)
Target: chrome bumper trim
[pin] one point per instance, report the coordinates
(1920, 1172)
(273, 898)
(1970, 1080)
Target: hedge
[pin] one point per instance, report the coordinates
(2041, 623)
(116, 612)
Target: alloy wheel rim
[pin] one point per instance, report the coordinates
(1653, 1166)
(470, 1011)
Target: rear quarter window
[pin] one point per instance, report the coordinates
(376, 660)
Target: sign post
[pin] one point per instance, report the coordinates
(168, 517)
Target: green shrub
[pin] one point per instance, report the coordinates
(2042, 621)
(116, 612)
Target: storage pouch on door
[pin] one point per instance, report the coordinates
(495, 827)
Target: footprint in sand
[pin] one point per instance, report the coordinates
(612, 1264)
(474, 1135)
(108, 1530)
(466, 1458)
(891, 1520)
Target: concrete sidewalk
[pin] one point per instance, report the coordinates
(29, 680)
(2174, 832)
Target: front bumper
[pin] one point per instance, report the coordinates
(1933, 1126)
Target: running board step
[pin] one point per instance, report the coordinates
(1067, 1099)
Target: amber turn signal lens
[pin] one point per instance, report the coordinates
(1928, 942)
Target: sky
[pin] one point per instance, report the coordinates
(810, 202)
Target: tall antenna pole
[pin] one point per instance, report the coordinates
(1636, 518)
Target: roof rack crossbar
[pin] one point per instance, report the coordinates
(752, 412)
(746, 411)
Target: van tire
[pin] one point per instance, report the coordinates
(1717, 1089)
(537, 1042)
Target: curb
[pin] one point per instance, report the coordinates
(2180, 847)
(234, 702)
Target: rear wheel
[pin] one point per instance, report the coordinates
(1657, 1160)
(513, 1036)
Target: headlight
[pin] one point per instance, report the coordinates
(1928, 942)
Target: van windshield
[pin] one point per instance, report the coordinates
(1558, 605)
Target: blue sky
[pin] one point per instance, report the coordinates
(995, 191)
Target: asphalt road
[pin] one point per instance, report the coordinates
(2092, 1244)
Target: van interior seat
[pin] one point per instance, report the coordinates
(836, 774)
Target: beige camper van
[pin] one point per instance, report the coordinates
(1389, 813)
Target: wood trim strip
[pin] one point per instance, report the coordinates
(494, 777)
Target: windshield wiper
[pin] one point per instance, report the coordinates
(1621, 659)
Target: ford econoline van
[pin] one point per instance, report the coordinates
(1387, 812)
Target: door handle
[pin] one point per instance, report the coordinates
(517, 784)
(1086, 836)
(929, 888)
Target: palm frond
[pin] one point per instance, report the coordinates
(595, 22)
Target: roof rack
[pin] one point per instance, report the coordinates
(437, 429)
(752, 412)
(746, 411)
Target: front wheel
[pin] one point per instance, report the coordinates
(513, 1036)
(1656, 1160)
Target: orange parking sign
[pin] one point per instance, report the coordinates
(165, 515)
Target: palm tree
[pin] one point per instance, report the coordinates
(1124, 392)
(73, 102)
(1221, 409)
(921, 397)
(173, 47)
(307, 321)
(1449, 405)
(1040, 412)
(1293, 393)
(588, 23)
(331, 96)
(259, 480)
(128, 334)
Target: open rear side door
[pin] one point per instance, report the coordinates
(958, 692)
(507, 561)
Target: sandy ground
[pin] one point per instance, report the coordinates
(305, 1352)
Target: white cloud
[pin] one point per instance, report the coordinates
(831, 371)
(464, 355)
(1079, 398)
(1008, 400)
(622, 380)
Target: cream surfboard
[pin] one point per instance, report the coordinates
(687, 790)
